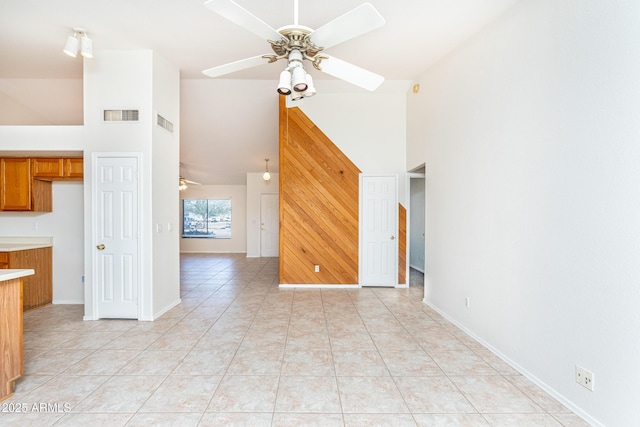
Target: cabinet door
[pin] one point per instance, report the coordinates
(74, 168)
(47, 168)
(4, 260)
(15, 180)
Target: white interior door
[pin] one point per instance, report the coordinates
(379, 228)
(269, 225)
(116, 245)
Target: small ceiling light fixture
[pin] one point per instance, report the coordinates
(74, 41)
(266, 176)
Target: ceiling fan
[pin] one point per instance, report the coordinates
(296, 43)
(183, 183)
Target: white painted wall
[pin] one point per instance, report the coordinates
(165, 157)
(42, 138)
(22, 102)
(140, 80)
(256, 186)
(65, 225)
(369, 127)
(120, 80)
(530, 137)
(238, 241)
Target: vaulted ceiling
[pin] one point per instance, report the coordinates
(228, 125)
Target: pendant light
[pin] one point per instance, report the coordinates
(266, 176)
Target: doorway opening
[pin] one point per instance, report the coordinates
(416, 229)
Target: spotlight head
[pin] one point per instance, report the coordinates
(87, 46)
(71, 47)
(284, 85)
(311, 90)
(298, 79)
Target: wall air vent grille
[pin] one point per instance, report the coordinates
(121, 115)
(164, 123)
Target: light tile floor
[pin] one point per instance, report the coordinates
(239, 351)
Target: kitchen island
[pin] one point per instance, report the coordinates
(11, 344)
(31, 253)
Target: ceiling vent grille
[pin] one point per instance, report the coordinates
(164, 123)
(121, 115)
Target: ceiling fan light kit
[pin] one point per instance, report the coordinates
(297, 43)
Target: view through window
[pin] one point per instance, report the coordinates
(209, 218)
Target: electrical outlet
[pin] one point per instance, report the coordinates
(466, 302)
(316, 269)
(584, 377)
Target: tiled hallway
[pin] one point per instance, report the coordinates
(240, 351)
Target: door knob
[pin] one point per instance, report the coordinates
(393, 237)
(101, 247)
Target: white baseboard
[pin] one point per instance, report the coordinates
(547, 389)
(318, 286)
(67, 301)
(212, 252)
(164, 310)
(420, 269)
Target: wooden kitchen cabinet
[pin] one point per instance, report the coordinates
(37, 289)
(47, 168)
(11, 339)
(74, 168)
(19, 191)
(53, 168)
(4, 260)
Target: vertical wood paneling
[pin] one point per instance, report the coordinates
(318, 205)
(37, 289)
(11, 344)
(402, 244)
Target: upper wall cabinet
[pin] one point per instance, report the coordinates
(19, 191)
(25, 183)
(57, 168)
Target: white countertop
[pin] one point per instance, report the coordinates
(11, 244)
(8, 247)
(10, 274)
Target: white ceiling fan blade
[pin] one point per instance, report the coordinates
(354, 23)
(232, 67)
(239, 15)
(351, 73)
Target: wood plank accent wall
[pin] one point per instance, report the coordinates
(318, 205)
(402, 245)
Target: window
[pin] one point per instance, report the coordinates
(209, 218)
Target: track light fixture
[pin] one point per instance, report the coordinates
(79, 37)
